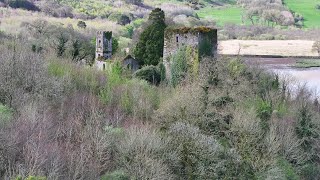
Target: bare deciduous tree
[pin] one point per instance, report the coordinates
(316, 47)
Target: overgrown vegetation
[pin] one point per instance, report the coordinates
(229, 121)
(266, 12)
(216, 119)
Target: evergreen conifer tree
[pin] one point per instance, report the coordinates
(149, 49)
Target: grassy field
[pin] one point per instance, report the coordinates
(307, 9)
(228, 14)
(233, 13)
(307, 63)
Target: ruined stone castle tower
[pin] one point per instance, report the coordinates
(103, 48)
(200, 41)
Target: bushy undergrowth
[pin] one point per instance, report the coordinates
(230, 121)
(249, 111)
(149, 73)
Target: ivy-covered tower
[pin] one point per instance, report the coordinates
(199, 42)
(103, 48)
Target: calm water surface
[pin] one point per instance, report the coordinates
(308, 77)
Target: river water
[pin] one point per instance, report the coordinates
(298, 77)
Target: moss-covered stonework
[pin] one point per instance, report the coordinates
(200, 41)
(185, 30)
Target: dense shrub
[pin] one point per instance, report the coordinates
(264, 112)
(266, 13)
(136, 2)
(124, 20)
(298, 19)
(129, 30)
(307, 131)
(15, 89)
(267, 37)
(115, 175)
(311, 171)
(179, 66)
(198, 156)
(141, 154)
(287, 169)
(183, 106)
(31, 178)
(39, 156)
(66, 42)
(135, 97)
(55, 9)
(316, 47)
(2, 34)
(5, 115)
(82, 24)
(149, 73)
(120, 18)
(115, 45)
(175, 10)
(233, 31)
(23, 4)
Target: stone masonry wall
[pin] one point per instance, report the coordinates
(103, 49)
(104, 44)
(173, 42)
(171, 45)
(202, 41)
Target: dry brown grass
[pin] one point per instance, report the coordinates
(288, 48)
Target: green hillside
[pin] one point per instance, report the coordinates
(220, 11)
(308, 10)
(222, 15)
